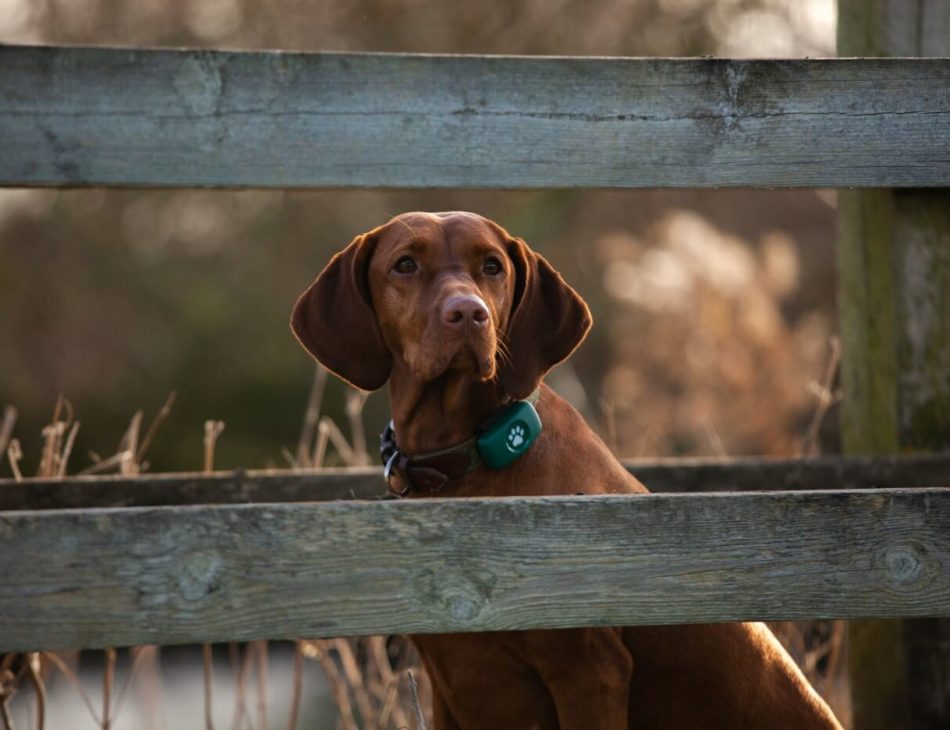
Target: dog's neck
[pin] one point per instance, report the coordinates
(438, 414)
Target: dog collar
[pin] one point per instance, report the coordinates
(497, 442)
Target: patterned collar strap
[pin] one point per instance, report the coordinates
(497, 442)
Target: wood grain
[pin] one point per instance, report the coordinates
(166, 575)
(124, 117)
(666, 475)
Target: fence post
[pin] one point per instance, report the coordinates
(894, 310)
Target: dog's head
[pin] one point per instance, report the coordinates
(439, 292)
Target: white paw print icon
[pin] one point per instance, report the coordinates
(516, 436)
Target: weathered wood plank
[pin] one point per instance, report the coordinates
(667, 475)
(162, 490)
(92, 116)
(91, 578)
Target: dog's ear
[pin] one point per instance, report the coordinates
(334, 319)
(548, 321)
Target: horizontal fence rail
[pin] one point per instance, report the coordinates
(123, 117)
(114, 577)
(668, 475)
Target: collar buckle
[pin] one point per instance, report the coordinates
(397, 463)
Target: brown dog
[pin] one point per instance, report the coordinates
(462, 319)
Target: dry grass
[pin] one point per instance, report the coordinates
(819, 647)
(371, 678)
(372, 681)
(34, 668)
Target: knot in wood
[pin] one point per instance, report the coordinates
(903, 562)
(462, 597)
(462, 605)
(199, 575)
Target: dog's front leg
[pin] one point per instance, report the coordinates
(588, 673)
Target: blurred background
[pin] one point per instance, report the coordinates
(713, 309)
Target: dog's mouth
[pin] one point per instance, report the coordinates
(473, 360)
(471, 355)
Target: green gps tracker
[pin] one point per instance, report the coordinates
(509, 435)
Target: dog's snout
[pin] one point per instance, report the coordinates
(461, 309)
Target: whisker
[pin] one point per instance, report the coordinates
(503, 352)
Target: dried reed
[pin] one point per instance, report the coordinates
(826, 397)
(818, 646)
(296, 686)
(207, 667)
(71, 677)
(153, 426)
(414, 690)
(260, 651)
(14, 454)
(354, 404)
(302, 458)
(213, 430)
(6, 427)
(366, 682)
(34, 667)
(108, 679)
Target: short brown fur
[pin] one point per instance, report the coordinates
(369, 322)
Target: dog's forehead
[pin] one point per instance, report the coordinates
(440, 228)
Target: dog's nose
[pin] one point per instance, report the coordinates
(462, 309)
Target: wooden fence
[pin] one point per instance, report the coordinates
(112, 561)
(92, 563)
(81, 116)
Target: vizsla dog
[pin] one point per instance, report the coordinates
(464, 321)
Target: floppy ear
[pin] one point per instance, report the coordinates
(548, 321)
(334, 319)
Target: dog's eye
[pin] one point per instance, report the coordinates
(405, 265)
(492, 266)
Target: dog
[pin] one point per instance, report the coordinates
(463, 321)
